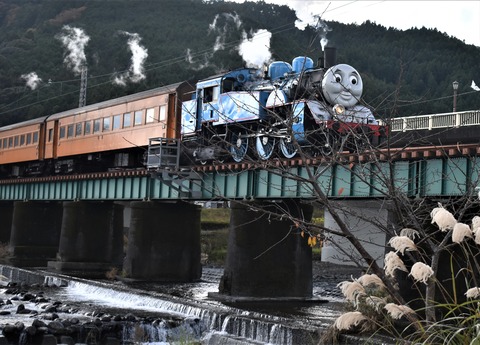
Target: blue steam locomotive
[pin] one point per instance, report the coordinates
(289, 106)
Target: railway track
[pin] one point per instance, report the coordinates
(408, 153)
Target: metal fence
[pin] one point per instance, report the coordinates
(457, 119)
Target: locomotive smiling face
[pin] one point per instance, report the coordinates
(342, 85)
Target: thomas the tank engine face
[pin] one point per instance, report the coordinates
(342, 85)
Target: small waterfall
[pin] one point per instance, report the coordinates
(179, 319)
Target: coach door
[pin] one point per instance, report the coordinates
(51, 139)
(170, 117)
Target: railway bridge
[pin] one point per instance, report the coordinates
(75, 223)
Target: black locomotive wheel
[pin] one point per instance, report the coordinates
(288, 148)
(238, 146)
(265, 146)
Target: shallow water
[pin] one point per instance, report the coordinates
(269, 323)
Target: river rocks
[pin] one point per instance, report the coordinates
(54, 322)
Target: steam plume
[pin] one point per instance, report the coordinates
(256, 50)
(221, 30)
(74, 40)
(32, 80)
(136, 71)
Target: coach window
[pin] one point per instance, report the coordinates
(5, 143)
(78, 129)
(35, 137)
(10, 142)
(138, 117)
(50, 135)
(69, 131)
(62, 132)
(22, 140)
(162, 113)
(150, 116)
(96, 125)
(15, 141)
(88, 127)
(29, 138)
(117, 119)
(127, 120)
(106, 124)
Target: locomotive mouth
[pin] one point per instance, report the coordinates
(345, 95)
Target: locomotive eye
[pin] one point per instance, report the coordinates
(338, 78)
(353, 80)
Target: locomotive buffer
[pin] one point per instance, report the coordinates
(163, 163)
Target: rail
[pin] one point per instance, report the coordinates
(432, 121)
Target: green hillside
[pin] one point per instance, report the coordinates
(405, 72)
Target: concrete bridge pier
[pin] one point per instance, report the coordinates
(91, 239)
(35, 232)
(6, 215)
(164, 242)
(266, 256)
(369, 222)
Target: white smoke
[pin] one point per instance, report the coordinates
(74, 40)
(221, 26)
(136, 71)
(221, 30)
(196, 65)
(32, 80)
(255, 51)
(474, 86)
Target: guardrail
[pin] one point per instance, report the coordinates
(445, 120)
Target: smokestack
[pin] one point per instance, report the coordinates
(330, 57)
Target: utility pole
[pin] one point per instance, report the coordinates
(83, 88)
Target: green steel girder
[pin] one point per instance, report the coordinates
(432, 177)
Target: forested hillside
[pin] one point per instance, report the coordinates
(129, 46)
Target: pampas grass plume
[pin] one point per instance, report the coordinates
(443, 218)
(392, 263)
(460, 231)
(351, 290)
(421, 272)
(473, 292)
(475, 224)
(348, 320)
(371, 279)
(402, 243)
(397, 311)
(410, 233)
